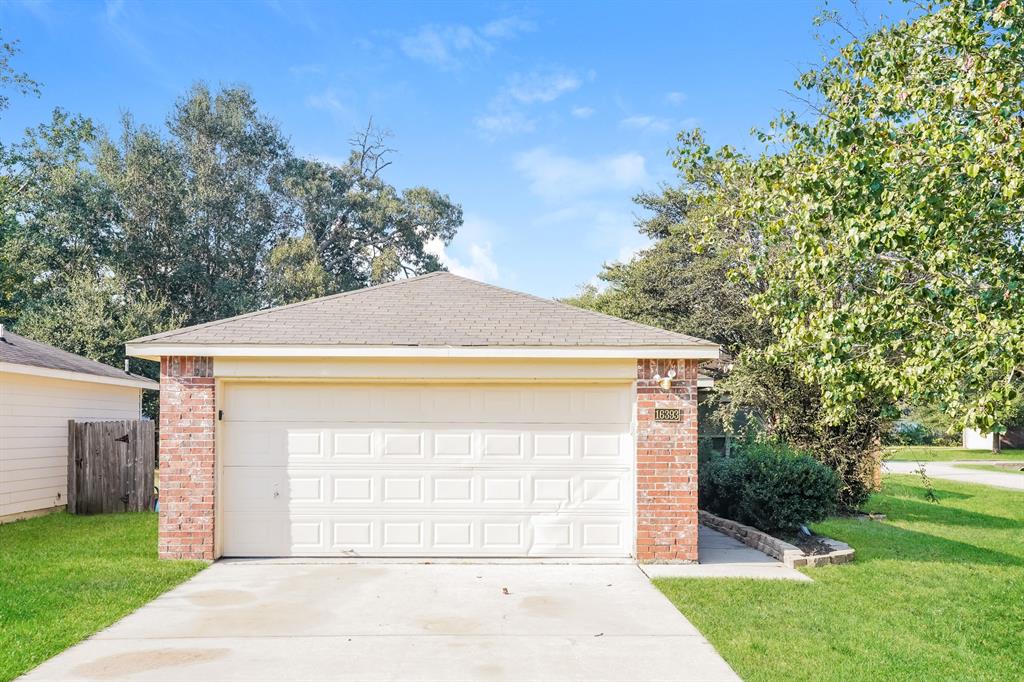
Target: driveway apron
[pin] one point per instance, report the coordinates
(290, 620)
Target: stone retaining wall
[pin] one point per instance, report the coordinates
(789, 554)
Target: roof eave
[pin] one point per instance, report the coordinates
(129, 380)
(156, 350)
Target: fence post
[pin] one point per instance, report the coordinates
(72, 497)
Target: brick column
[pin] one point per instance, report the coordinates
(666, 469)
(187, 457)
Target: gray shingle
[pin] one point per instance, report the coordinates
(18, 350)
(438, 309)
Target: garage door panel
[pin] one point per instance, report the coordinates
(298, 443)
(408, 444)
(377, 534)
(443, 470)
(305, 490)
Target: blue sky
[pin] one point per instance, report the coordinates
(541, 119)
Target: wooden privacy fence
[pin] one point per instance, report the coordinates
(110, 466)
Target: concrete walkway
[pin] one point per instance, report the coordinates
(324, 620)
(947, 470)
(724, 557)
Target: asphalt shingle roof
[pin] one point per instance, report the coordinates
(437, 309)
(18, 350)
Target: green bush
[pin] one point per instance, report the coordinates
(916, 433)
(769, 486)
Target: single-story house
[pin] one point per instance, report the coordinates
(973, 439)
(41, 389)
(429, 417)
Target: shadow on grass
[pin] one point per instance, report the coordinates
(930, 512)
(883, 541)
(903, 490)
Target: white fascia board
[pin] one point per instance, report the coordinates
(67, 375)
(153, 351)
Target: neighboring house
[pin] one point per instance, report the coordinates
(434, 416)
(976, 440)
(41, 388)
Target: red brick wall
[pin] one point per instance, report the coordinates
(666, 454)
(187, 457)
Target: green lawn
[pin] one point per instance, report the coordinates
(936, 593)
(989, 467)
(63, 577)
(922, 453)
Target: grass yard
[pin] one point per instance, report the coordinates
(929, 453)
(989, 467)
(63, 577)
(936, 593)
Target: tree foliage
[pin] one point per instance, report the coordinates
(93, 315)
(891, 214)
(10, 78)
(294, 272)
(196, 209)
(701, 292)
(367, 231)
(107, 237)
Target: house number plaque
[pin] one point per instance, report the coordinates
(667, 414)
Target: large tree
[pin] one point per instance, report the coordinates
(699, 291)
(216, 215)
(197, 205)
(892, 216)
(109, 237)
(13, 276)
(674, 286)
(365, 230)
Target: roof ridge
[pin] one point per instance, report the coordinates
(263, 311)
(444, 309)
(588, 311)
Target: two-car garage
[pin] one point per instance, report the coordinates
(429, 417)
(426, 469)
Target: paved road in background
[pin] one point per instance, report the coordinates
(949, 472)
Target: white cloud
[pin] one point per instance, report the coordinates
(508, 27)
(504, 123)
(444, 46)
(475, 260)
(441, 45)
(555, 176)
(644, 123)
(328, 100)
(507, 112)
(608, 229)
(113, 9)
(582, 112)
(675, 98)
(541, 87)
(301, 70)
(481, 265)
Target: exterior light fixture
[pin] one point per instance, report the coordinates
(665, 381)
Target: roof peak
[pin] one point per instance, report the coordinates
(437, 309)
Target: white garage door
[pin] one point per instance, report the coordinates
(426, 470)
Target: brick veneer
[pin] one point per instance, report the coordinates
(666, 470)
(187, 457)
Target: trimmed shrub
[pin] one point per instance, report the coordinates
(770, 487)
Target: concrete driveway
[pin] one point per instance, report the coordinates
(288, 620)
